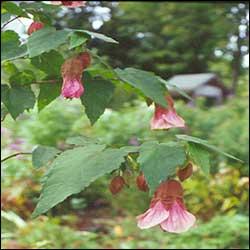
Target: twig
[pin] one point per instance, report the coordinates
(46, 81)
(10, 21)
(13, 155)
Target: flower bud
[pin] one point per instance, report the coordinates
(185, 172)
(34, 27)
(116, 185)
(85, 58)
(141, 183)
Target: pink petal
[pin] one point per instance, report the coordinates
(56, 2)
(72, 88)
(179, 220)
(152, 216)
(174, 120)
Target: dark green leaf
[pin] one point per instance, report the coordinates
(82, 140)
(48, 92)
(206, 144)
(159, 161)
(77, 39)
(199, 156)
(18, 99)
(42, 155)
(46, 39)
(39, 6)
(4, 93)
(25, 77)
(10, 46)
(13, 9)
(49, 62)
(96, 97)
(147, 82)
(75, 169)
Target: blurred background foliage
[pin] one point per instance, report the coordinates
(167, 38)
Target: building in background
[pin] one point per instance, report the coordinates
(207, 85)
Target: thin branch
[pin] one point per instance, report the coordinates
(46, 81)
(10, 21)
(13, 155)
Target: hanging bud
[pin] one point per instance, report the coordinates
(141, 183)
(34, 27)
(116, 185)
(186, 172)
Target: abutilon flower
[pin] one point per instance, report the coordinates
(167, 209)
(185, 172)
(34, 27)
(116, 185)
(165, 118)
(71, 71)
(70, 4)
(141, 183)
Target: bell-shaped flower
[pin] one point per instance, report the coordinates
(167, 210)
(72, 88)
(165, 118)
(34, 27)
(69, 4)
(71, 71)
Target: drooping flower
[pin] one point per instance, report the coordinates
(185, 172)
(71, 71)
(34, 27)
(70, 4)
(141, 183)
(116, 184)
(167, 209)
(72, 88)
(165, 118)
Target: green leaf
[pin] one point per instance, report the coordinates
(49, 62)
(17, 99)
(9, 68)
(4, 112)
(178, 90)
(25, 77)
(82, 140)
(96, 97)
(42, 155)
(97, 35)
(159, 161)
(48, 92)
(13, 9)
(5, 18)
(39, 6)
(77, 39)
(206, 144)
(147, 82)
(199, 156)
(46, 39)
(4, 93)
(10, 46)
(75, 169)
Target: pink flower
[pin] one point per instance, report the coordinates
(167, 209)
(165, 118)
(72, 88)
(70, 4)
(34, 27)
(71, 71)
